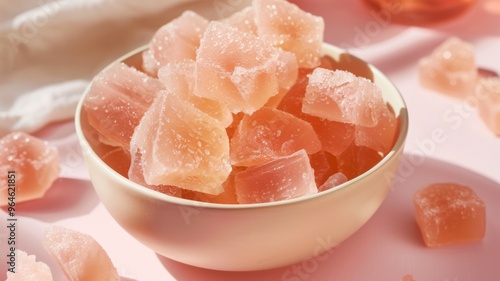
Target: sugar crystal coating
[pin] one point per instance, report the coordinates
(382, 136)
(79, 255)
(243, 20)
(237, 68)
(181, 146)
(449, 213)
(286, 26)
(117, 100)
(35, 165)
(179, 78)
(450, 69)
(28, 269)
(335, 137)
(488, 103)
(343, 97)
(280, 179)
(179, 39)
(270, 133)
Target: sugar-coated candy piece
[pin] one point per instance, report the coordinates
(286, 26)
(449, 213)
(243, 20)
(280, 179)
(28, 269)
(450, 69)
(179, 39)
(343, 97)
(237, 68)
(117, 100)
(28, 163)
(270, 133)
(136, 174)
(179, 78)
(228, 196)
(79, 255)
(488, 103)
(382, 136)
(182, 146)
(333, 181)
(335, 137)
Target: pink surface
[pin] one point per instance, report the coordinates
(447, 141)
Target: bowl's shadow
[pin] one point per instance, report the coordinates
(389, 246)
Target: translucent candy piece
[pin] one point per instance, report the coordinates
(179, 78)
(280, 179)
(136, 174)
(118, 160)
(34, 165)
(27, 269)
(117, 100)
(335, 137)
(270, 133)
(243, 20)
(356, 160)
(179, 39)
(228, 196)
(182, 146)
(488, 103)
(449, 214)
(79, 255)
(450, 69)
(333, 181)
(324, 165)
(286, 26)
(236, 68)
(343, 97)
(381, 137)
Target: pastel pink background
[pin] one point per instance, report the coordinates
(389, 246)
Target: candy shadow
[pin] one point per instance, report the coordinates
(66, 198)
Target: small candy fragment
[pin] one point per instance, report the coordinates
(333, 181)
(343, 97)
(488, 103)
(27, 269)
(243, 20)
(448, 214)
(450, 69)
(178, 79)
(79, 255)
(117, 100)
(179, 39)
(280, 179)
(270, 133)
(236, 68)
(29, 164)
(181, 146)
(149, 64)
(286, 26)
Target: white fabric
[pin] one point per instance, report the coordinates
(51, 49)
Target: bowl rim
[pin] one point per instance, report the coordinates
(326, 48)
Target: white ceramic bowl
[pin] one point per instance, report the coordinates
(254, 236)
